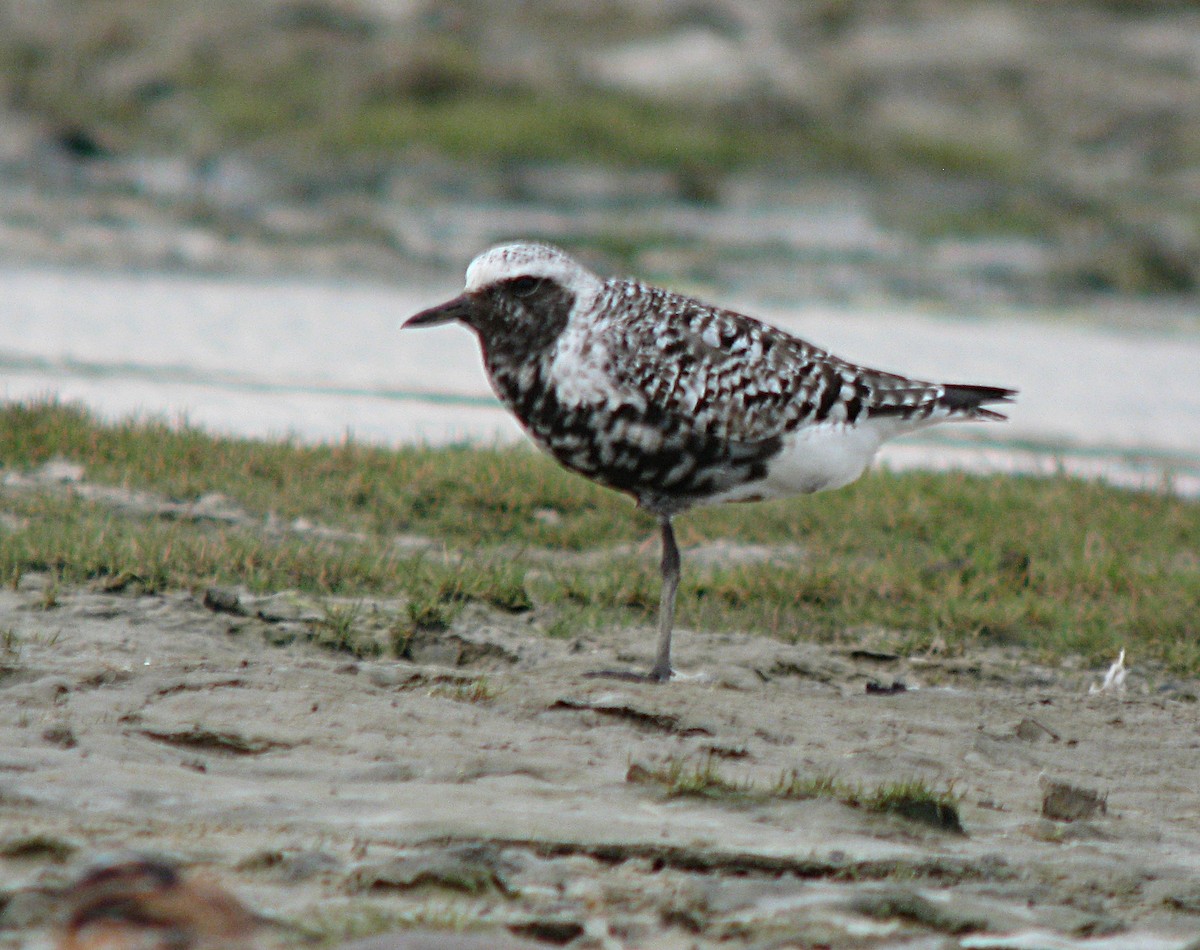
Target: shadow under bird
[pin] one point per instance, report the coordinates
(676, 402)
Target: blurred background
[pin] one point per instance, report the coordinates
(223, 210)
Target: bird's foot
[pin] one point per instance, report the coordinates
(652, 676)
(629, 676)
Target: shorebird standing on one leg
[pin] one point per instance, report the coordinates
(676, 402)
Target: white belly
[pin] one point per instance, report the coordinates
(814, 458)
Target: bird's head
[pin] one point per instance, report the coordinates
(522, 293)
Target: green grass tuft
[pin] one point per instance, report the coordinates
(683, 778)
(913, 799)
(476, 689)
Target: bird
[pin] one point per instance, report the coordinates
(677, 402)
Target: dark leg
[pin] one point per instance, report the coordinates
(661, 671)
(666, 603)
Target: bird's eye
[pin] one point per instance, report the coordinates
(524, 286)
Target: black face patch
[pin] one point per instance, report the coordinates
(518, 318)
(523, 287)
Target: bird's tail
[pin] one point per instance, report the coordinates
(969, 401)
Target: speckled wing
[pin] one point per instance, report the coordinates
(741, 380)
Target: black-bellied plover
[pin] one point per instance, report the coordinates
(677, 402)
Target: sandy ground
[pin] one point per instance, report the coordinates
(488, 782)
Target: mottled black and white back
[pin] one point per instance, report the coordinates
(674, 401)
(677, 402)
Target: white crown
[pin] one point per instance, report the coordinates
(508, 261)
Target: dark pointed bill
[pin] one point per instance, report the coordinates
(457, 309)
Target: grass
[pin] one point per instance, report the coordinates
(683, 778)
(339, 630)
(1056, 565)
(526, 126)
(477, 689)
(910, 798)
(360, 99)
(242, 80)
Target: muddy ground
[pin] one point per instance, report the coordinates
(488, 782)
